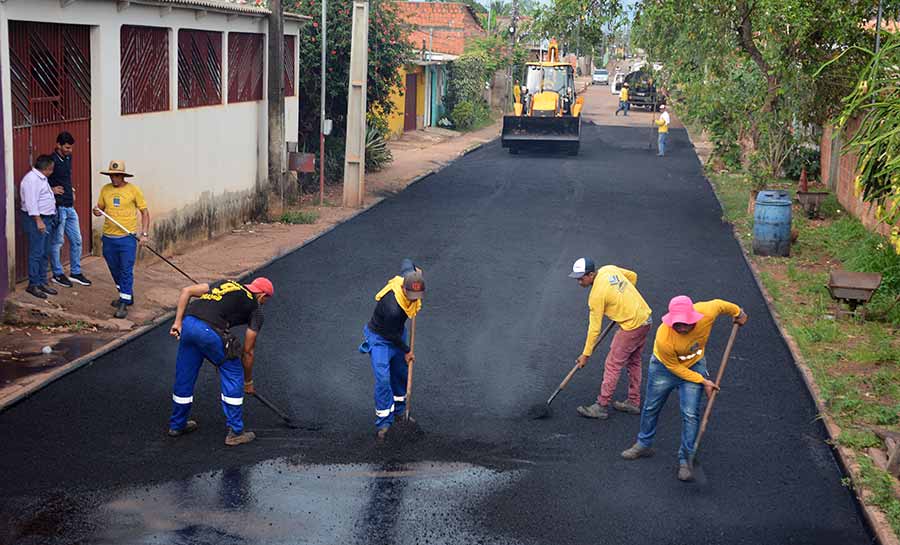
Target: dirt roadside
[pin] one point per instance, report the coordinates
(79, 321)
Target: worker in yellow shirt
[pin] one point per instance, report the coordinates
(613, 294)
(623, 101)
(662, 125)
(122, 201)
(679, 362)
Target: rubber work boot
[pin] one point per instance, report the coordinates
(381, 435)
(594, 411)
(685, 472)
(121, 311)
(233, 439)
(637, 451)
(188, 428)
(626, 407)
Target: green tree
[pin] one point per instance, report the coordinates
(576, 24)
(388, 51)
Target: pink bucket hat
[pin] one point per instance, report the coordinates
(681, 311)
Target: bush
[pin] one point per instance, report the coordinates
(378, 155)
(299, 216)
(469, 114)
(800, 157)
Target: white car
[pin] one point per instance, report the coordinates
(600, 76)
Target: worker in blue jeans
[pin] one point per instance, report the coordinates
(386, 343)
(679, 362)
(202, 328)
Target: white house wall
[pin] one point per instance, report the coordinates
(186, 161)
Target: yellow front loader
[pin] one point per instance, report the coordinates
(546, 112)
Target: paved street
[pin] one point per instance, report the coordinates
(86, 460)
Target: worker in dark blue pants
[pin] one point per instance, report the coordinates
(386, 343)
(203, 330)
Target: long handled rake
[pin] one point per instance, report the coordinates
(159, 255)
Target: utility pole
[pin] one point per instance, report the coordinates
(513, 23)
(322, 106)
(276, 152)
(355, 150)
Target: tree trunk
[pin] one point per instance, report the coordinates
(745, 40)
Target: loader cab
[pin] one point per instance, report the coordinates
(549, 89)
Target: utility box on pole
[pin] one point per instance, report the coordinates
(355, 151)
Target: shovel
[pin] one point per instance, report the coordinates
(712, 398)
(538, 412)
(409, 372)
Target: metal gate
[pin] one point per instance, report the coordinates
(50, 73)
(409, 112)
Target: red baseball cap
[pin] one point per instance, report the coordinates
(262, 285)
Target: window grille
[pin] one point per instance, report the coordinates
(245, 67)
(199, 68)
(145, 69)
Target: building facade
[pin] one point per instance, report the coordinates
(175, 88)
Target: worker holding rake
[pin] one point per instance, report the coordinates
(386, 342)
(679, 362)
(613, 294)
(203, 329)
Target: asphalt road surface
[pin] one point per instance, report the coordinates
(86, 460)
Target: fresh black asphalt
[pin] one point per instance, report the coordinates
(502, 324)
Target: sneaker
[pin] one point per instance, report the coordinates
(36, 291)
(62, 280)
(121, 311)
(685, 472)
(594, 411)
(80, 279)
(47, 289)
(637, 451)
(188, 428)
(626, 407)
(233, 439)
(381, 435)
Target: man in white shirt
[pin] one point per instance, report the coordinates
(39, 207)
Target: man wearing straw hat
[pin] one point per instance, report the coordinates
(679, 362)
(122, 200)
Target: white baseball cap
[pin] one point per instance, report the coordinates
(581, 267)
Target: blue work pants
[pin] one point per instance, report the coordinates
(199, 341)
(662, 141)
(660, 383)
(120, 254)
(390, 370)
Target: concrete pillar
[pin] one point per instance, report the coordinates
(355, 150)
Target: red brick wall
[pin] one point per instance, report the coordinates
(444, 27)
(843, 185)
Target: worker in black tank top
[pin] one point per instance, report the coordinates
(203, 328)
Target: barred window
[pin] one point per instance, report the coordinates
(199, 68)
(145, 69)
(245, 67)
(290, 53)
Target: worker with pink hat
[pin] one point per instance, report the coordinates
(203, 329)
(679, 362)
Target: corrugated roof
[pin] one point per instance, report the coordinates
(249, 7)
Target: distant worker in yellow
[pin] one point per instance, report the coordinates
(623, 100)
(663, 124)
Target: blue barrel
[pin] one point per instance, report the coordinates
(772, 224)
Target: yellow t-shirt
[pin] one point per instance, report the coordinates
(680, 352)
(122, 204)
(613, 294)
(623, 94)
(663, 122)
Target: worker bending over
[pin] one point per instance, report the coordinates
(386, 342)
(679, 362)
(613, 294)
(203, 327)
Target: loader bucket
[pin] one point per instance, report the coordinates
(541, 133)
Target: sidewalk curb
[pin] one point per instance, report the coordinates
(89, 358)
(875, 517)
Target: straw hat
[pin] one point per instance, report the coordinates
(116, 167)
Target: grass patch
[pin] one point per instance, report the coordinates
(879, 483)
(858, 439)
(299, 217)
